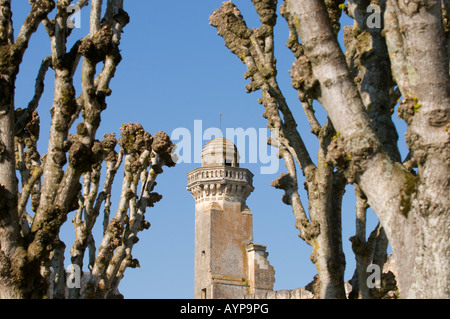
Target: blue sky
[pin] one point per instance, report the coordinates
(176, 70)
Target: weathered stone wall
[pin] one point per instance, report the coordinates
(299, 293)
(222, 234)
(261, 275)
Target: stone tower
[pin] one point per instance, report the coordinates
(227, 263)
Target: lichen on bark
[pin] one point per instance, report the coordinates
(31, 251)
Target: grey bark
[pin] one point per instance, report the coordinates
(31, 253)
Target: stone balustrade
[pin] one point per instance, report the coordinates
(224, 172)
(215, 183)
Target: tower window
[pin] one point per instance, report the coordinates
(204, 293)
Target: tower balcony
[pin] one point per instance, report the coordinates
(220, 183)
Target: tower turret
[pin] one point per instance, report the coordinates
(224, 225)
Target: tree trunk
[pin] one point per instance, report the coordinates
(322, 229)
(413, 209)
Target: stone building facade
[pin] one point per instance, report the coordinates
(227, 262)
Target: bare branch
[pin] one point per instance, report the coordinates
(144, 157)
(39, 11)
(112, 8)
(368, 60)
(26, 115)
(341, 99)
(247, 45)
(96, 12)
(6, 26)
(27, 189)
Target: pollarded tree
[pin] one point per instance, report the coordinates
(396, 55)
(67, 178)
